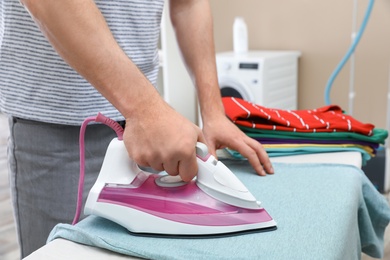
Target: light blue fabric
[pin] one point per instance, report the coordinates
(323, 211)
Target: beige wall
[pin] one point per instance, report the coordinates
(321, 30)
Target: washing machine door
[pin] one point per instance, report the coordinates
(232, 87)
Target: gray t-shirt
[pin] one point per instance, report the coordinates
(36, 84)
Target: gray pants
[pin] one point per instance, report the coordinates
(44, 173)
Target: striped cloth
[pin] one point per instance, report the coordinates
(36, 84)
(324, 119)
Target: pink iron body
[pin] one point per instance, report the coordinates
(214, 202)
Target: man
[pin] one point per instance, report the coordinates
(101, 56)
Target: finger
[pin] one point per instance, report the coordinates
(248, 152)
(188, 167)
(262, 155)
(211, 148)
(172, 167)
(140, 162)
(156, 165)
(147, 161)
(201, 137)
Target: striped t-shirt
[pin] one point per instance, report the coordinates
(36, 84)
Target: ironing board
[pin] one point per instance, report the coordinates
(324, 205)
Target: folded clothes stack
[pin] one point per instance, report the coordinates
(291, 132)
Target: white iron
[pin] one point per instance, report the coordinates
(214, 202)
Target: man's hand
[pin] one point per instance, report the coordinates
(161, 138)
(220, 132)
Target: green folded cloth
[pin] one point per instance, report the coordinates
(379, 135)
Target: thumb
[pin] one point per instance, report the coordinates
(201, 137)
(210, 146)
(212, 149)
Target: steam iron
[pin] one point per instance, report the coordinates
(214, 202)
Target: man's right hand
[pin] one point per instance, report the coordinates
(161, 138)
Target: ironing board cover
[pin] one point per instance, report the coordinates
(323, 211)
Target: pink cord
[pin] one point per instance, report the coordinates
(118, 130)
(111, 123)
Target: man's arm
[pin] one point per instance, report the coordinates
(155, 134)
(192, 21)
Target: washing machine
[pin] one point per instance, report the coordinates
(266, 78)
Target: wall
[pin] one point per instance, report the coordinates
(321, 30)
(175, 84)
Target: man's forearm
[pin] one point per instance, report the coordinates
(79, 33)
(192, 21)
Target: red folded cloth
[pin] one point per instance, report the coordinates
(324, 119)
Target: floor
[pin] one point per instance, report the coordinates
(8, 242)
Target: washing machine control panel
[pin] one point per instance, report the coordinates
(248, 66)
